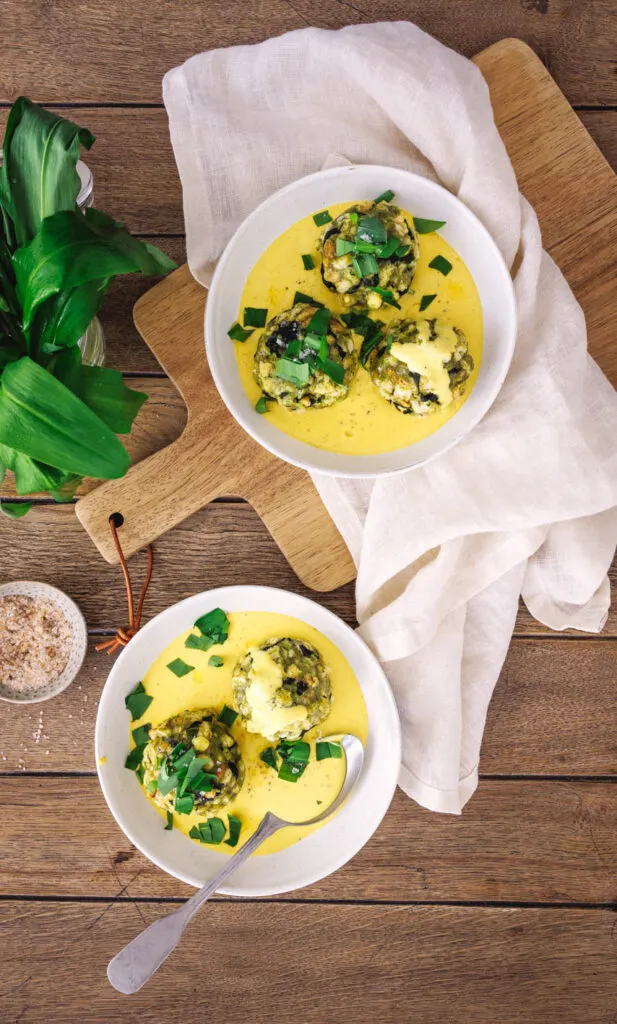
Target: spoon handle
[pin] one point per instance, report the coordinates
(137, 962)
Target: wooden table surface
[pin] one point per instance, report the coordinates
(506, 914)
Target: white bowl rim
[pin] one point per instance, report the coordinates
(387, 782)
(250, 423)
(79, 634)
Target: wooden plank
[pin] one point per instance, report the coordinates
(223, 544)
(244, 961)
(93, 63)
(553, 712)
(516, 842)
(145, 194)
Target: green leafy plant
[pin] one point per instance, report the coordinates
(58, 416)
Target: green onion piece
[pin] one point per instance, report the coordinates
(425, 301)
(133, 760)
(425, 227)
(343, 246)
(295, 373)
(228, 716)
(254, 317)
(184, 760)
(15, 509)
(291, 771)
(235, 827)
(371, 229)
(333, 370)
(322, 218)
(141, 734)
(215, 661)
(294, 750)
(151, 787)
(320, 321)
(170, 821)
(179, 667)
(308, 262)
(237, 333)
(325, 749)
(184, 804)
(137, 702)
(441, 264)
(261, 405)
(387, 296)
(385, 197)
(268, 756)
(214, 624)
(199, 643)
(300, 297)
(391, 246)
(166, 781)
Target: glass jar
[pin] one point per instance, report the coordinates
(92, 343)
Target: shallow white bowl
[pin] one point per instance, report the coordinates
(317, 192)
(321, 852)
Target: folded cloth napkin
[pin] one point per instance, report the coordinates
(527, 503)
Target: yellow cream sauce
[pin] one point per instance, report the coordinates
(209, 687)
(363, 423)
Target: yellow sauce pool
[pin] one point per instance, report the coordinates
(211, 687)
(363, 423)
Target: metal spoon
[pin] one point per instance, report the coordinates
(138, 961)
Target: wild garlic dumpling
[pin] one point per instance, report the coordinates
(369, 254)
(282, 688)
(420, 365)
(305, 358)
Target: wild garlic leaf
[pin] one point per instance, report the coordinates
(61, 320)
(38, 175)
(41, 418)
(102, 389)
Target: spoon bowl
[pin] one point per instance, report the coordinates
(131, 968)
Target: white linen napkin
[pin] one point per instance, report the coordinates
(527, 503)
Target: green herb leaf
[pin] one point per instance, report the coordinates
(322, 218)
(333, 370)
(180, 667)
(294, 750)
(425, 301)
(38, 176)
(403, 250)
(41, 418)
(193, 771)
(353, 217)
(228, 716)
(365, 265)
(290, 771)
(300, 297)
(366, 247)
(15, 509)
(343, 246)
(237, 333)
(184, 760)
(254, 317)
(309, 264)
(215, 661)
(170, 821)
(134, 758)
(320, 321)
(441, 264)
(151, 788)
(385, 197)
(389, 248)
(167, 780)
(184, 804)
(268, 756)
(103, 390)
(261, 405)
(371, 229)
(235, 828)
(325, 749)
(214, 624)
(318, 344)
(425, 227)
(296, 373)
(387, 296)
(373, 333)
(137, 702)
(199, 642)
(141, 735)
(210, 831)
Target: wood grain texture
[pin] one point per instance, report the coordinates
(117, 52)
(464, 964)
(531, 841)
(553, 712)
(213, 457)
(222, 545)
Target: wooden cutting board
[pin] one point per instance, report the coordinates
(574, 191)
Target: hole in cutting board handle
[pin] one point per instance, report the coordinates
(117, 519)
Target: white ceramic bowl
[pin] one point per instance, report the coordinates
(317, 192)
(321, 852)
(79, 637)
